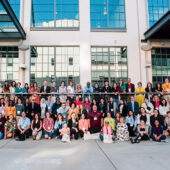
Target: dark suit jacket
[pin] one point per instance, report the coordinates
(136, 107)
(132, 87)
(48, 89)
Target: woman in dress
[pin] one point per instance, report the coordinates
(35, 90)
(43, 108)
(140, 97)
(12, 90)
(122, 133)
(10, 127)
(83, 125)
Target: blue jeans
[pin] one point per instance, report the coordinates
(1, 136)
(161, 138)
(50, 134)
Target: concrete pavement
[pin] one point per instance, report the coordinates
(83, 155)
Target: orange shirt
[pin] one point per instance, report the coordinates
(10, 110)
(166, 87)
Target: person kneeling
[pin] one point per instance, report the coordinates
(73, 125)
(10, 127)
(48, 124)
(107, 133)
(36, 127)
(143, 131)
(157, 132)
(65, 133)
(83, 125)
(23, 128)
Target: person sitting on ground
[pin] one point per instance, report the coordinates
(10, 127)
(131, 122)
(2, 122)
(65, 133)
(23, 128)
(106, 131)
(112, 122)
(48, 124)
(83, 125)
(157, 132)
(59, 125)
(95, 119)
(167, 124)
(73, 125)
(122, 133)
(156, 116)
(143, 133)
(36, 127)
(143, 116)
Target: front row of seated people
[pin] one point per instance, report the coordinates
(119, 129)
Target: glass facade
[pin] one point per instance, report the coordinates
(108, 63)
(160, 64)
(9, 26)
(9, 63)
(55, 64)
(55, 13)
(157, 8)
(107, 14)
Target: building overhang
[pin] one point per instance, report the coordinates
(160, 30)
(8, 16)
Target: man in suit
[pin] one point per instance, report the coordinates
(106, 89)
(129, 88)
(45, 90)
(133, 105)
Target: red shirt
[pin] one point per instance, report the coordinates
(95, 119)
(129, 86)
(48, 124)
(78, 103)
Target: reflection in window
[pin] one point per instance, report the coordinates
(55, 64)
(157, 8)
(9, 26)
(108, 63)
(107, 13)
(55, 13)
(160, 64)
(9, 67)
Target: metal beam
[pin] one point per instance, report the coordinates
(10, 35)
(4, 18)
(13, 17)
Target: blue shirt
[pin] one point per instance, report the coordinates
(88, 89)
(131, 120)
(57, 124)
(24, 123)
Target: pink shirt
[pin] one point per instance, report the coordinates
(83, 124)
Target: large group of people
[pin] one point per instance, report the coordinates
(120, 113)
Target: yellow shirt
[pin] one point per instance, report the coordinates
(76, 111)
(10, 110)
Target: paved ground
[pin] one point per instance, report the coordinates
(83, 155)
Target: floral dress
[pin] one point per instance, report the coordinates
(122, 133)
(10, 126)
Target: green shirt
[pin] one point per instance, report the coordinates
(111, 123)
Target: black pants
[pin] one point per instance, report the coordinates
(94, 130)
(81, 133)
(22, 136)
(130, 129)
(73, 132)
(144, 137)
